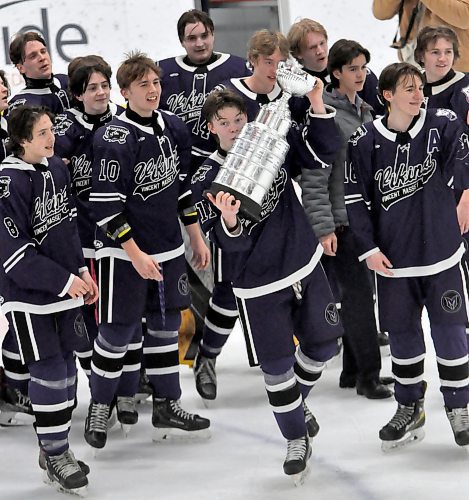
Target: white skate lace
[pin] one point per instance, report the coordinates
(296, 449)
(307, 412)
(402, 416)
(99, 415)
(459, 419)
(126, 404)
(179, 412)
(64, 465)
(206, 371)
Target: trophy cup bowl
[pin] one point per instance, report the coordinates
(252, 164)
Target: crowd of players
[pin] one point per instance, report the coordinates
(95, 199)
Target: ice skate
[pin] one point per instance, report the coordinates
(65, 474)
(459, 420)
(311, 423)
(126, 413)
(296, 462)
(205, 378)
(43, 465)
(96, 424)
(144, 390)
(15, 407)
(169, 419)
(405, 427)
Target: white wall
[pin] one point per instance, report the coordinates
(350, 19)
(109, 28)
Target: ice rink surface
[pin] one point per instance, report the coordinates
(243, 459)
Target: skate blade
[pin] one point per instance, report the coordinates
(142, 397)
(299, 479)
(162, 434)
(208, 403)
(126, 429)
(15, 419)
(81, 492)
(412, 437)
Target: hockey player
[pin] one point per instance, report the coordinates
(39, 232)
(436, 51)
(323, 200)
(16, 408)
(28, 52)
(140, 186)
(265, 50)
(188, 79)
(408, 229)
(308, 43)
(280, 286)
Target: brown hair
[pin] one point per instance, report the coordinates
(265, 42)
(429, 35)
(194, 16)
(21, 122)
(135, 67)
(298, 31)
(18, 45)
(394, 73)
(220, 99)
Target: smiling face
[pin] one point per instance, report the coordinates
(198, 42)
(96, 96)
(42, 143)
(144, 94)
(352, 76)
(227, 125)
(36, 62)
(313, 51)
(438, 59)
(407, 99)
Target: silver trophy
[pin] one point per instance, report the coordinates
(259, 151)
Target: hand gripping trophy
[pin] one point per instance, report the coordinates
(259, 151)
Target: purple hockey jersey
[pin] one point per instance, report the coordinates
(282, 249)
(40, 249)
(51, 93)
(142, 176)
(74, 131)
(185, 88)
(451, 92)
(399, 195)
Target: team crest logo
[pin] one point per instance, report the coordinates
(2, 300)
(451, 115)
(465, 91)
(183, 284)
(98, 244)
(201, 174)
(80, 327)
(357, 135)
(5, 187)
(451, 301)
(331, 314)
(115, 133)
(62, 124)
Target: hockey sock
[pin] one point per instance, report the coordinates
(161, 355)
(307, 371)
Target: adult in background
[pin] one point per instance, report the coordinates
(414, 15)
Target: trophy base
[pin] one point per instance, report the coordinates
(249, 208)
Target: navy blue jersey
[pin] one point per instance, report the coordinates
(3, 138)
(185, 88)
(74, 131)
(40, 249)
(140, 177)
(51, 93)
(281, 249)
(224, 263)
(451, 92)
(399, 193)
